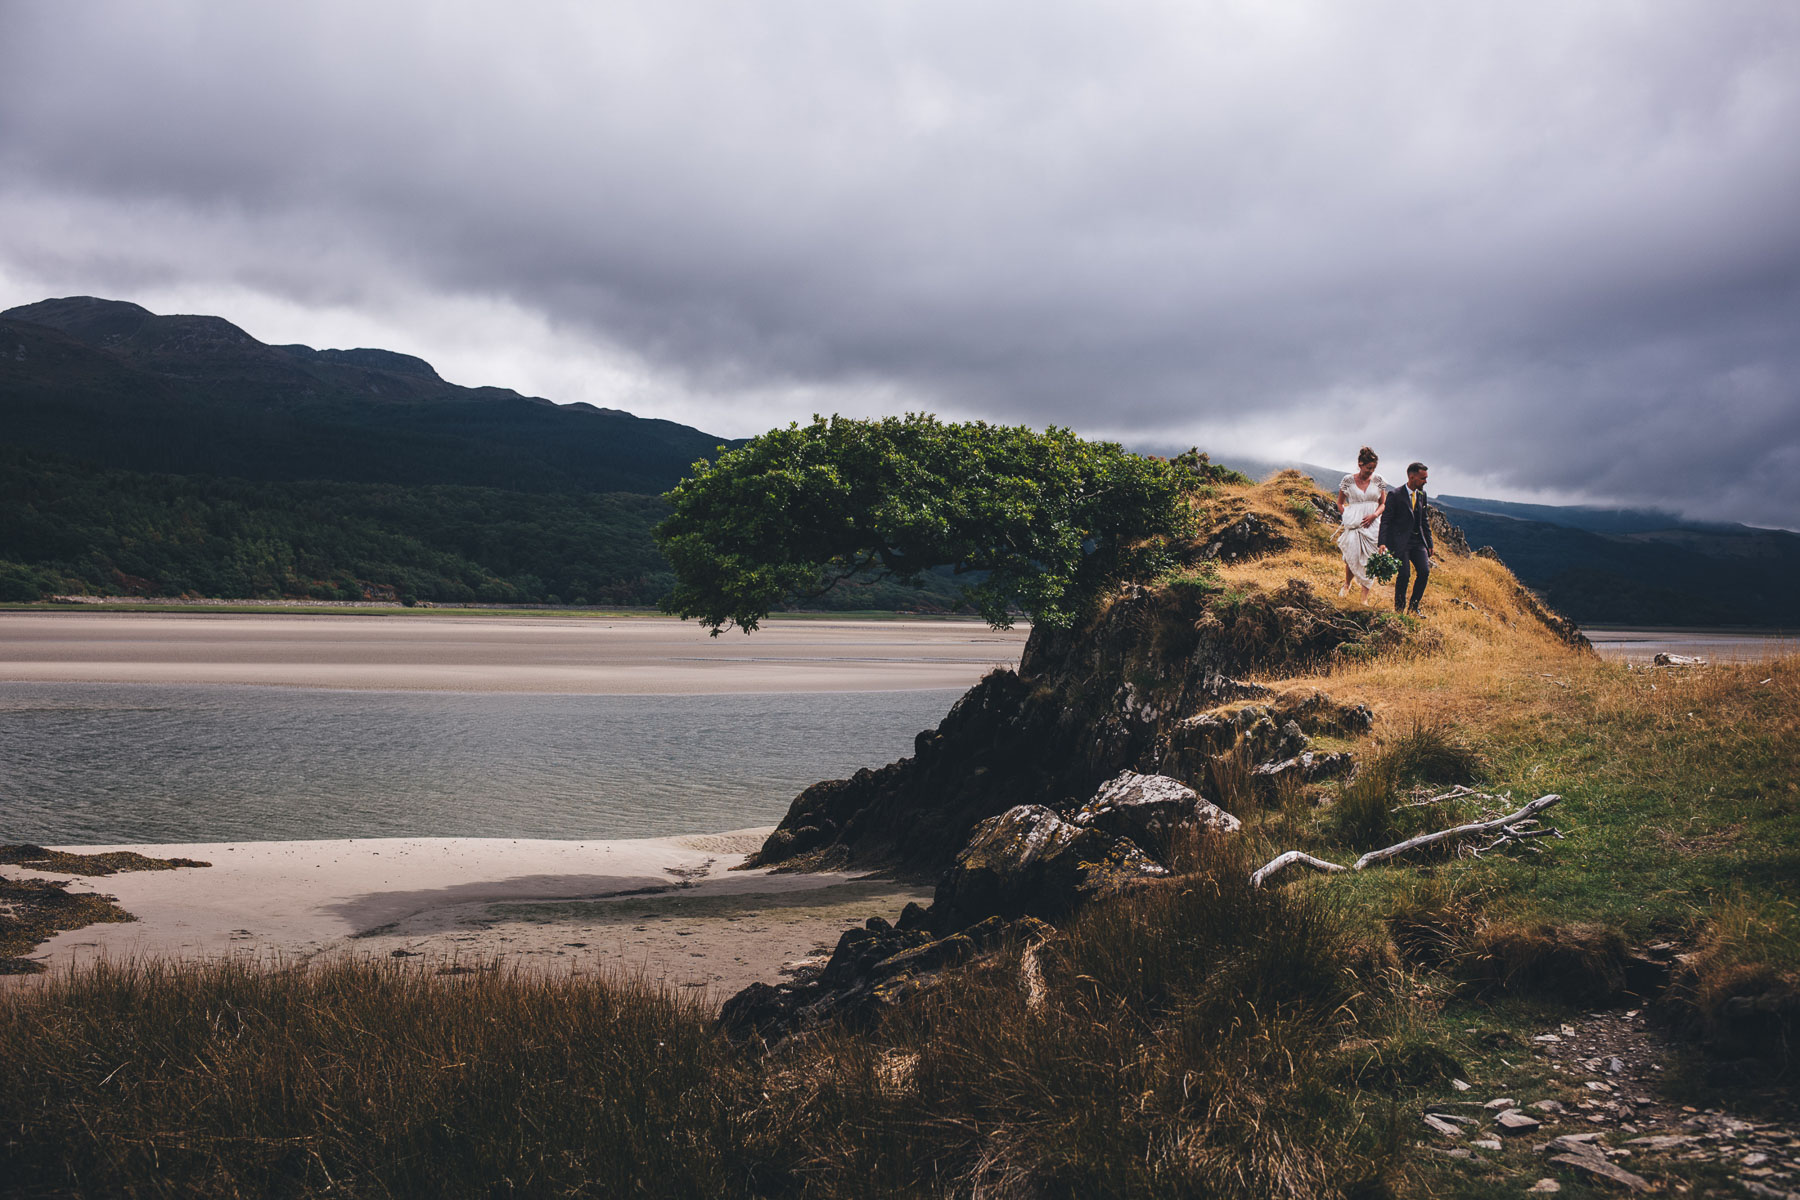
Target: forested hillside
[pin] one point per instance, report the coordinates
(114, 384)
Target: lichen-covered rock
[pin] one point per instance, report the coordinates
(1149, 809)
(1028, 861)
(1304, 767)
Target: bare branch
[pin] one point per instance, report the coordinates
(1473, 827)
(1289, 859)
(1459, 792)
(1514, 827)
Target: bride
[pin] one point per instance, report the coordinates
(1361, 496)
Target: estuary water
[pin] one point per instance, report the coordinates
(99, 763)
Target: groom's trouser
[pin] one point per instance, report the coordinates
(1414, 556)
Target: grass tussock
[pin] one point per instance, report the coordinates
(1372, 810)
(1740, 991)
(1192, 1044)
(356, 1079)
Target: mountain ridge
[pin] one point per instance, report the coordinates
(78, 375)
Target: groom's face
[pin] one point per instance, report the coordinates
(1417, 479)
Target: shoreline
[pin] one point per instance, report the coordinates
(670, 909)
(636, 655)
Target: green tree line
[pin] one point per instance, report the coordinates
(66, 527)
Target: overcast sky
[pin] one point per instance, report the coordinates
(1552, 249)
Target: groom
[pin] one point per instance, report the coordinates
(1406, 530)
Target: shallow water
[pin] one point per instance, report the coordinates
(109, 763)
(1642, 645)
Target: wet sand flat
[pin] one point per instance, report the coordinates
(616, 656)
(1643, 645)
(668, 909)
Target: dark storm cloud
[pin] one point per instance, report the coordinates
(1543, 246)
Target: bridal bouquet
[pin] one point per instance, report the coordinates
(1382, 566)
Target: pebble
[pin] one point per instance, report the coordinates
(1545, 1185)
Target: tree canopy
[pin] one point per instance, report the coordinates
(1035, 521)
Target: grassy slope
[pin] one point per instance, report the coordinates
(1198, 1039)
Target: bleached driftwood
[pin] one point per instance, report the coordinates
(1459, 792)
(1514, 827)
(1288, 859)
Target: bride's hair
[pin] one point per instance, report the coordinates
(1366, 457)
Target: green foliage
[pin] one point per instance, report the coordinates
(1200, 581)
(1036, 521)
(71, 528)
(1198, 470)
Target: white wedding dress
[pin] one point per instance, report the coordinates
(1356, 540)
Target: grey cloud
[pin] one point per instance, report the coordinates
(1553, 245)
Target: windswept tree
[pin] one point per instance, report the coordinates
(1035, 521)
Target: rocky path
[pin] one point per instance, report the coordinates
(1603, 1123)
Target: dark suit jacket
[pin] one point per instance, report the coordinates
(1400, 526)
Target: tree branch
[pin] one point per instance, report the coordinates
(1289, 859)
(1514, 827)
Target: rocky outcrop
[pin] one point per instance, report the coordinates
(871, 969)
(1446, 536)
(1565, 630)
(1151, 809)
(1305, 767)
(1028, 861)
(1117, 693)
(1248, 536)
(1019, 870)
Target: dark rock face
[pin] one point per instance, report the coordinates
(872, 969)
(1028, 861)
(1246, 537)
(1085, 704)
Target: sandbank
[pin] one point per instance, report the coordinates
(1715, 645)
(622, 656)
(668, 909)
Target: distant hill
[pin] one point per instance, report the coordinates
(177, 455)
(1595, 520)
(114, 384)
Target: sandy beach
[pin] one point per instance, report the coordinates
(664, 908)
(621, 656)
(667, 908)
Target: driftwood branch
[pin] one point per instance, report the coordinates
(1289, 859)
(1459, 792)
(1514, 827)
